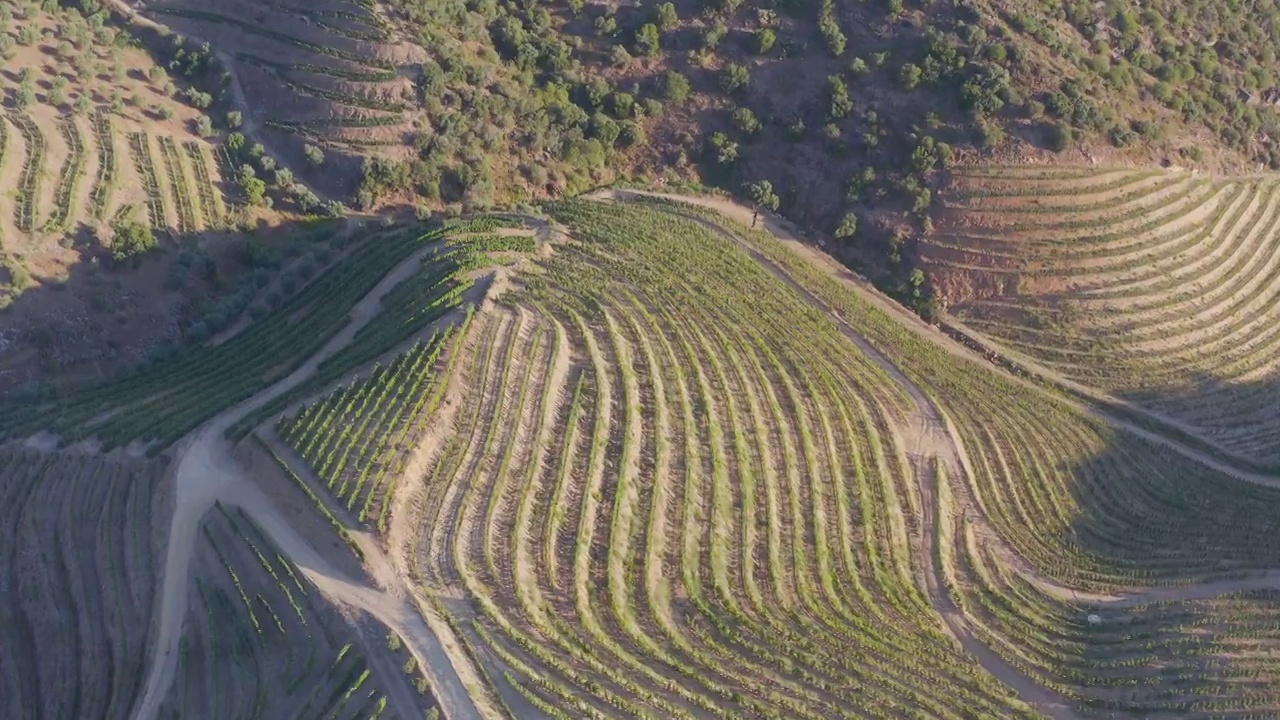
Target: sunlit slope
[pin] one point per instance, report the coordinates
(675, 481)
(671, 488)
(1047, 515)
(1158, 286)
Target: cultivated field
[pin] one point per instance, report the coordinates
(662, 480)
(640, 460)
(78, 566)
(96, 137)
(1157, 286)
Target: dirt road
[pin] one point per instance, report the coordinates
(207, 474)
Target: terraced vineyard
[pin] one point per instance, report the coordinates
(676, 480)
(78, 559)
(144, 163)
(1159, 287)
(210, 199)
(75, 199)
(659, 464)
(178, 185)
(64, 197)
(673, 488)
(163, 402)
(29, 180)
(359, 437)
(104, 184)
(1207, 656)
(330, 71)
(294, 655)
(1086, 518)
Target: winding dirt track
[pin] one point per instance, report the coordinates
(206, 474)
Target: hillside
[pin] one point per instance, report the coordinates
(92, 131)
(848, 111)
(128, 224)
(545, 429)
(1155, 286)
(644, 459)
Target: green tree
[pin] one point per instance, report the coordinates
(713, 35)
(315, 155)
(762, 195)
(131, 238)
(725, 150)
(735, 78)
(765, 38)
(746, 121)
(605, 129)
(25, 96)
(840, 105)
(676, 87)
(255, 190)
(848, 226)
(28, 34)
(234, 119)
(648, 40)
(910, 76)
(666, 17)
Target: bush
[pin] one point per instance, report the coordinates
(632, 134)
(1121, 136)
(765, 39)
(131, 238)
(676, 87)
(746, 121)
(1060, 136)
(735, 78)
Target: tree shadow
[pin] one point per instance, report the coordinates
(98, 316)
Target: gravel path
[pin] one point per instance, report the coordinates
(207, 474)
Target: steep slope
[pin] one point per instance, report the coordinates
(1156, 286)
(680, 469)
(92, 131)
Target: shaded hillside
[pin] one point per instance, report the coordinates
(1156, 286)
